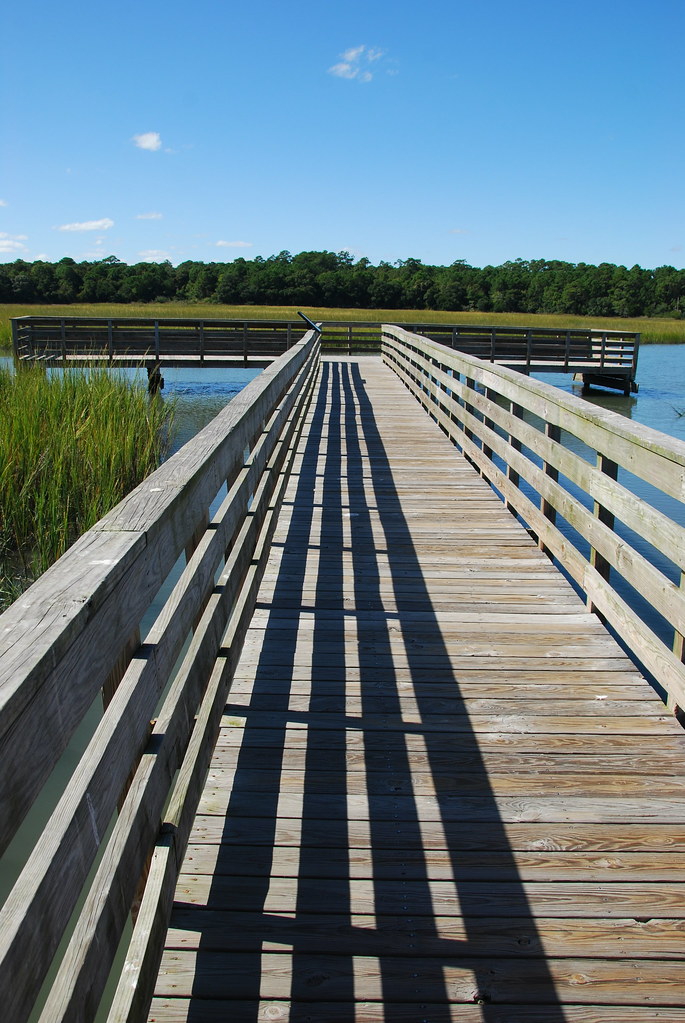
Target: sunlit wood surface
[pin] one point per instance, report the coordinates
(441, 791)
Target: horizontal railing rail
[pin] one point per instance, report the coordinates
(602, 495)
(60, 338)
(532, 345)
(601, 357)
(197, 530)
(529, 349)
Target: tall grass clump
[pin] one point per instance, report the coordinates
(72, 445)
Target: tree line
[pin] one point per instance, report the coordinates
(337, 280)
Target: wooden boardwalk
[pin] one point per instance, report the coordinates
(441, 791)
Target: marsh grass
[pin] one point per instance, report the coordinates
(661, 331)
(72, 445)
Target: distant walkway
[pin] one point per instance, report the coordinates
(441, 791)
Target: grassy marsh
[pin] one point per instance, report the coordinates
(661, 331)
(72, 445)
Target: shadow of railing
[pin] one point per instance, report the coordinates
(325, 891)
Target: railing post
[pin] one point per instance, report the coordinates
(529, 350)
(515, 443)
(493, 343)
(470, 385)
(190, 549)
(491, 396)
(548, 510)
(202, 340)
(679, 651)
(63, 340)
(15, 341)
(110, 341)
(636, 349)
(610, 469)
(245, 342)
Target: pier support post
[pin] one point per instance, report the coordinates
(155, 380)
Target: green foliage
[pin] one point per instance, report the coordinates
(72, 445)
(327, 279)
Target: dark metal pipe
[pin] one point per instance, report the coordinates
(310, 322)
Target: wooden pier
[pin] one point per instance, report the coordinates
(603, 358)
(403, 772)
(439, 785)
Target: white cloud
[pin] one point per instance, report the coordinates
(3, 202)
(153, 255)
(233, 245)
(343, 70)
(355, 63)
(353, 54)
(149, 216)
(150, 140)
(12, 243)
(87, 225)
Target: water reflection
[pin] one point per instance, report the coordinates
(661, 377)
(199, 395)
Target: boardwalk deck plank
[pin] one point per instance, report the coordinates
(441, 791)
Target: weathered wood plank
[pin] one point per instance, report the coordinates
(658, 461)
(414, 808)
(441, 864)
(136, 985)
(59, 642)
(531, 836)
(184, 1010)
(377, 934)
(321, 977)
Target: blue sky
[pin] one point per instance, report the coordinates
(436, 130)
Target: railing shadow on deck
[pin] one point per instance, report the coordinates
(321, 921)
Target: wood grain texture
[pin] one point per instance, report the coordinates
(72, 651)
(440, 791)
(60, 641)
(510, 451)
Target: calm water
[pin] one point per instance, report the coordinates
(200, 395)
(661, 376)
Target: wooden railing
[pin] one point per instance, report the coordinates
(133, 341)
(77, 632)
(531, 349)
(571, 472)
(601, 356)
(560, 464)
(604, 357)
